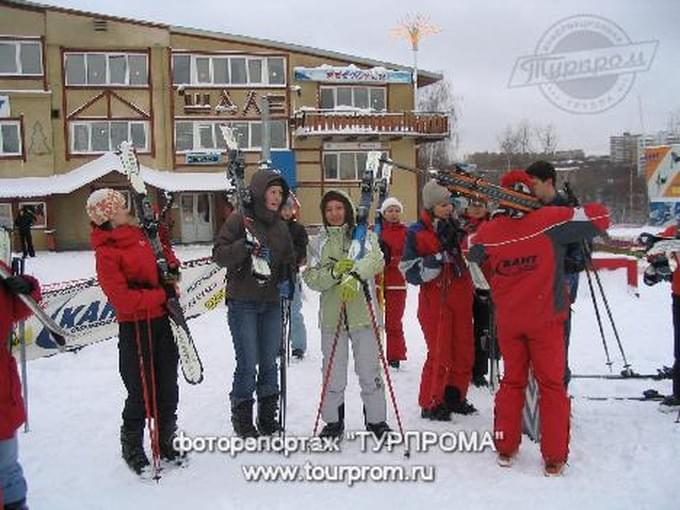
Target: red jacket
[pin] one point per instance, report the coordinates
(127, 272)
(12, 310)
(419, 258)
(394, 236)
(523, 260)
(672, 231)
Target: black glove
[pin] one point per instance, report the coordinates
(18, 285)
(483, 295)
(651, 276)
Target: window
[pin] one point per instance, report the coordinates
(39, 212)
(21, 57)
(344, 165)
(106, 69)
(181, 69)
(366, 98)
(10, 138)
(105, 135)
(6, 219)
(206, 135)
(227, 70)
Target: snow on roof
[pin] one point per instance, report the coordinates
(27, 187)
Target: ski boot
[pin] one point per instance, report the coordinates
(379, 430)
(336, 429)
(670, 404)
(437, 413)
(553, 468)
(132, 449)
(242, 419)
(267, 412)
(456, 404)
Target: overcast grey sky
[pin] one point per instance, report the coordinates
(476, 50)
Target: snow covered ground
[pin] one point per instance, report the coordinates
(623, 454)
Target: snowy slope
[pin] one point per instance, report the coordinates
(623, 454)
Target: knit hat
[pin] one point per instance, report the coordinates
(517, 180)
(103, 204)
(391, 202)
(434, 193)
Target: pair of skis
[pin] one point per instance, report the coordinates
(192, 367)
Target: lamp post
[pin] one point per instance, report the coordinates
(413, 29)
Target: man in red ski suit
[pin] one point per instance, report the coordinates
(523, 258)
(12, 410)
(392, 239)
(432, 259)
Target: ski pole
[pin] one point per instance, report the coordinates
(626, 366)
(599, 319)
(383, 361)
(329, 368)
(284, 362)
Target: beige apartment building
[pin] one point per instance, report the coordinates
(74, 84)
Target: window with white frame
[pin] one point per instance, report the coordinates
(10, 138)
(20, 57)
(197, 135)
(344, 165)
(6, 219)
(366, 98)
(93, 136)
(106, 69)
(226, 70)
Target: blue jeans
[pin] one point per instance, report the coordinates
(298, 332)
(12, 481)
(256, 332)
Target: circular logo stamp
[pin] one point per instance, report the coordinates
(584, 64)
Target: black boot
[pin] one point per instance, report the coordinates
(455, 403)
(298, 354)
(394, 363)
(379, 430)
(437, 413)
(132, 448)
(267, 415)
(167, 434)
(335, 429)
(242, 419)
(16, 505)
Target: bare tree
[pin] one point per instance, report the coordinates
(523, 135)
(509, 144)
(439, 98)
(547, 138)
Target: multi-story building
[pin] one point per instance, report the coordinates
(74, 84)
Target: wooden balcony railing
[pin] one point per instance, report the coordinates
(433, 126)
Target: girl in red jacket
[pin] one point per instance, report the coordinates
(393, 237)
(433, 260)
(128, 275)
(12, 411)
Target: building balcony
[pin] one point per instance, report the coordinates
(353, 125)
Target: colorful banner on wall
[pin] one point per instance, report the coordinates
(662, 175)
(82, 309)
(352, 74)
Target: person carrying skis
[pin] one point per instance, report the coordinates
(128, 274)
(253, 307)
(298, 234)
(476, 213)
(543, 178)
(23, 222)
(12, 411)
(392, 240)
(671, 403)
(433, 260)
(522, 254)
(344, 316)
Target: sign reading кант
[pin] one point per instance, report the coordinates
(351, 74)
(82, 309)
